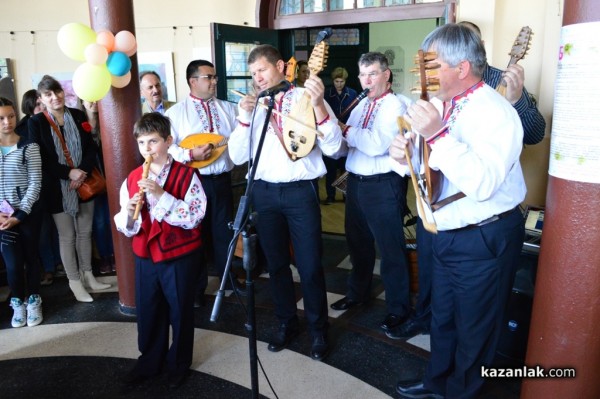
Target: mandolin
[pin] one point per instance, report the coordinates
(290, 69)
(299, 141)
(218, 143)
(426, 69)
(517, 52)
(424, 185)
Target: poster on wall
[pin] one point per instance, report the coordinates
(575, 143)
(162, 63)
(395, 56)
(66, 81)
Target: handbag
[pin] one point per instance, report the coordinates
(94, 183)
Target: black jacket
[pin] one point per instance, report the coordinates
(52, 171)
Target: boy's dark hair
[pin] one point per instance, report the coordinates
(29, 102)
(152, 122)
(271, 54)
(48, 83)
(5, 102)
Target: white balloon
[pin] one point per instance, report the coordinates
(120, 81)
(95, 54)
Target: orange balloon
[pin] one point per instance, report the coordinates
(106, 39)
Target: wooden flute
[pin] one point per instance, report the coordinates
(145, 171)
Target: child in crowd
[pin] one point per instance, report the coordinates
(20, 188)
(167, 248)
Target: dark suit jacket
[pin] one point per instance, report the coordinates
(52, 171)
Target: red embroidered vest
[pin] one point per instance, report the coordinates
(161, 241)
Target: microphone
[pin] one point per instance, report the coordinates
(282, 86)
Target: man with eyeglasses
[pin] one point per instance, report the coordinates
(152, 94)
(375, 196)
(202, 112)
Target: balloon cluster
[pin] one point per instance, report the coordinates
(106, 59)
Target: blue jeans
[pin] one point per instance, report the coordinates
(101, 227)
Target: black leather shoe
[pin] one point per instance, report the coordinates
(282, 337)
(344, 303)
(407, 330)
(392, 321)
(135, 376)
(319, 349)
(175, 380)
(415, 390)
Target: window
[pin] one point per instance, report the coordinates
(292, 7)
(339, 37)
(236, 69)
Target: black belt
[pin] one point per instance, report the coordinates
(484, 222)
(297, 183)
(377, 177)
(217, 176)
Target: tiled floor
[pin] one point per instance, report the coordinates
(82, 350)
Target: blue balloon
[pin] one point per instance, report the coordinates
(118, 63)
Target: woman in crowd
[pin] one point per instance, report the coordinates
(302, 73)
(21, 171)
(101, 226)
(60, 182)
(49, 251)
(30, 105)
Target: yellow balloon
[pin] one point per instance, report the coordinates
(73, 38)
(91, 82)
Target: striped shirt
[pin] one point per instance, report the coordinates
(534, 125)
(21, 177)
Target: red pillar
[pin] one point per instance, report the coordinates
(119, 110)
(566, 310)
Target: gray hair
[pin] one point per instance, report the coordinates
(368, 59)
(455, 43)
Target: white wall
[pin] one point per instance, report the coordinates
(500, 22)
(407, 35)
(154, 21)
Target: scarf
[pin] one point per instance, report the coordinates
(70, 199)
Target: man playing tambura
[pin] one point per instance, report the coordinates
(202, 112)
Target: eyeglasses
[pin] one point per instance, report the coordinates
(371, 75)
(207, 77)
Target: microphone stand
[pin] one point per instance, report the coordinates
(244, 220)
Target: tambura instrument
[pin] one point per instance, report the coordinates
(341, 183)
(218, 143)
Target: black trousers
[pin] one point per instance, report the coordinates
(422, 313)
(164, 296)
(18, 247)
(473, 273)
(216, 234)
(291, 211)
(374, 215)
